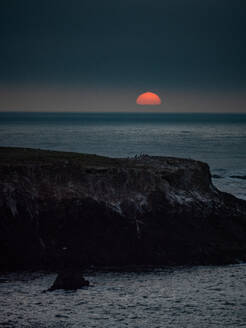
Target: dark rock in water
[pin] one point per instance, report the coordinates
(69, 280)
(84, 210)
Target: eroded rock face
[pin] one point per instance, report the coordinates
(69, 280)
(91, 210)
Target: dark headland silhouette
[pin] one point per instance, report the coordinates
(77, 210)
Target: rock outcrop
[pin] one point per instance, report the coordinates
(69, 280)
(83, 210)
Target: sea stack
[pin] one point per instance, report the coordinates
(69, 280)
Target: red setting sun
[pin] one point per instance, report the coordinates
(148, 98)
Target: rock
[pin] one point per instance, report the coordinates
(69, 280)
(86, 210)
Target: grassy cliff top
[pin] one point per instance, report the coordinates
(15, 155)
(28, 156)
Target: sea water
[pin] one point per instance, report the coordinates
(218, 139)
(181, 297)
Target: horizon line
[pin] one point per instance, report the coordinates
(111, 112)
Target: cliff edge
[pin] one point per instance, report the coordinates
(59, 208)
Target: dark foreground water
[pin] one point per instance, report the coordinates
(218, 139)
(172, 297)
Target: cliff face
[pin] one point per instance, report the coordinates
(80, 209)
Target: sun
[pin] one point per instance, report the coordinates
(148, 98)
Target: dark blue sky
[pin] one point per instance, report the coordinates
(178, 43)
(137, 44)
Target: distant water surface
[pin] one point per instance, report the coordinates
(180, 297)
(218, 139)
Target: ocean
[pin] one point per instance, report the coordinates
(218, 139)
(173, 297)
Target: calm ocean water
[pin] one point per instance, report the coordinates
(218, 139)
(172, 297)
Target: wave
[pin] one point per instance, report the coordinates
(216, 176)
(243, 177)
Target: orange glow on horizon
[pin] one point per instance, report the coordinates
(148, 98)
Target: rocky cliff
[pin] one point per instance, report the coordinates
(61, 208)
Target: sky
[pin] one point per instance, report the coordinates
(100, 55)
